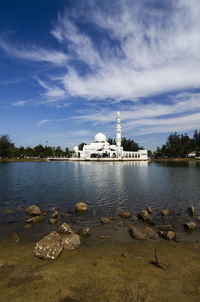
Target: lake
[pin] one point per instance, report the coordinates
(106, 187)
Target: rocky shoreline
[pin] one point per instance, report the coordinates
(141, 226)
(149, 262)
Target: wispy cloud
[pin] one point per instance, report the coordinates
(34, 53)
(18, 103)
(42, 122)
(150, 51)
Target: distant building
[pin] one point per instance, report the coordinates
(191, 154)
(100, 148)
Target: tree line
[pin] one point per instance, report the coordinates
(9, 150)
(179, 145)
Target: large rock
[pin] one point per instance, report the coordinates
(191, 210)
(33, 210)
(143, 215)
(70, 241)
(49, 247)
(35, 219)
(139, 233)
(52, 245)
(125, 214)
(190, 225)
(105, 220)
(81, 206)
(165, 212)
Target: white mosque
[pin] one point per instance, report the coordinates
(100, 148)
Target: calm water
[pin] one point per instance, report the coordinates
(105, 187)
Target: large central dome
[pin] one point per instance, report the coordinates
(100, 138)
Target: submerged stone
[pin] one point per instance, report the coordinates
(125, 214)
(33, 210)
(139, 233)
(53, 221)
(165, 212)
(81, 206)
(168, 235)
(149, 210)
(119, 224)
(143, 215)
(35, 219)
(8, 211)
(54, 215)
(190, 225)
(15, 237)
(191, 210)
(104, 236)
(84, 231)
(105, 220)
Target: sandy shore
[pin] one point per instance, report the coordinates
(104, 271)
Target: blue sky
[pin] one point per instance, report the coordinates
(66, 67)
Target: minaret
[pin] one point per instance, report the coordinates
(118, 130)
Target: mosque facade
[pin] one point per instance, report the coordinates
(100, 148)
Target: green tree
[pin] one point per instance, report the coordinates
(80, 147)
(6, 146)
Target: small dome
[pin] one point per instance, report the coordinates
(100, 138)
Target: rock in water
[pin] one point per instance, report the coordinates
(191, 210)
(198, 218)
(54, 215)
(52, 245)
(15, 237)
(119, 224)
(139, 233)
(65, 229)
(33, 210)
(8, 211)
(125, 214)
(81, 206)
(35, 219)
(70, 241)
(165, 212)
(49, 247)
(105, 220)
(190, 225)
(143, 215)
(104, 236)
(168, 235)
(53, 221)
(84, 231)
(149, 210)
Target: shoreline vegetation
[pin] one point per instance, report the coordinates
(46, 159)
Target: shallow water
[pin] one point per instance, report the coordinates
(118, 269)
(107, 187)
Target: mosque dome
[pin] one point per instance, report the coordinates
(100, 138)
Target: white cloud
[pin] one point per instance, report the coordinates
(157, 51)
(34, 53)
(18, 103)
(42, 122)
(52, 92)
